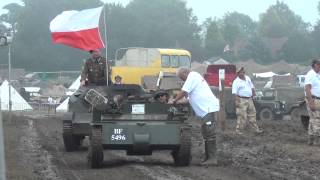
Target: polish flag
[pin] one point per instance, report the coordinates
(78, 29)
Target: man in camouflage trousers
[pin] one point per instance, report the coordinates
(312, 91)
(243, 91)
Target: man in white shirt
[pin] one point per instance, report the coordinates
(204, 104)
(243, 91)
(312, 91)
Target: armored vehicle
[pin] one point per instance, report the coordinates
(138, 123)
(125, 117)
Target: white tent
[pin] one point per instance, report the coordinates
(63, 107)
(75, 85)
(265, 74)
(18, 103)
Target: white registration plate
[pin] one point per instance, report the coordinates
(138, 109)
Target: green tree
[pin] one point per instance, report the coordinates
(33, 48)
(280, 21)
(298, 49)
(163, 23)
(257, 50)
(237, 26)
(214, 41)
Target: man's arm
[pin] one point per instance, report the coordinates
(310, 100)
(253, 92)
(237, 99)
(179, 96)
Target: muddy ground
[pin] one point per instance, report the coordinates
(34, 151)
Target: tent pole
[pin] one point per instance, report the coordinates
(9, 81)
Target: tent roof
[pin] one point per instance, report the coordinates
(221, 61)
(18, 103)
(265, 74)
(63, 107)
(76, 84)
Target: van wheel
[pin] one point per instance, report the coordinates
(266, 114)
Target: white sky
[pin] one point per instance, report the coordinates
(217, 8)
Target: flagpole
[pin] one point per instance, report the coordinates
(105, 41)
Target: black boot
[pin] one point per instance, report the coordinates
(210, 154)
(311, 140)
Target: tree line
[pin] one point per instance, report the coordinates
(279, 34)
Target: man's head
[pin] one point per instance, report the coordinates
(161, 96)
(183, 73)
(240, 72)
(315, 64)
(95, 53)
(117, 79)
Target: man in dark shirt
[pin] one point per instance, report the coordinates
(94, 70)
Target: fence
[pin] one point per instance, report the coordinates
(36, 106)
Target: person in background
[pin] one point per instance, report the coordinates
(243, 92)
(94, 70)
(205, 105)
(161, 96)
(312, 92)
(117, 79)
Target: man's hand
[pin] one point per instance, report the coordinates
(172, 101)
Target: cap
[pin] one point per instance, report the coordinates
(240, 69)
(94, 50)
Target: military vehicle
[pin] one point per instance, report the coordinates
(76, 122)
(267, 109)
(125, 117)
(137, 123)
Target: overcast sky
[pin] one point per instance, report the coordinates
(203, 9)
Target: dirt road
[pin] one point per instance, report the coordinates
(34, 150)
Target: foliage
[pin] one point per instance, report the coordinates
(214, 40)
(280, 21)
(292, 51)
(257, 50)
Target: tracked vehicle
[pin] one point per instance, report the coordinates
(124, 117)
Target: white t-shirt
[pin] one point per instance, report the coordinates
(313, 79)
(200, 95)
(242, 87)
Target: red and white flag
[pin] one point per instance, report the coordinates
(78, 29)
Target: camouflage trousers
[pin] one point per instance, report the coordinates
(246, 114)
(314, 122)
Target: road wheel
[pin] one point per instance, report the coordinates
(266, 114)
(295, 114)
(71, 142)
(95, 154)
(182, 156)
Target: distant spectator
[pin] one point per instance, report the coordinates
(118, 79)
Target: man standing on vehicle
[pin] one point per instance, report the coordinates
(243, 92)
(205, 104)
(94, 70)
(312, 90)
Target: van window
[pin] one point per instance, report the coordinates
(174, 61)
(165, 61)
(184, 61)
